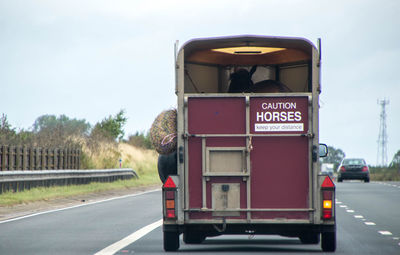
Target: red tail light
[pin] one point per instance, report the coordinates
(365, 169)
(328, 183)
(169, 183)
(328, 198)
(169, 190)
(342, 169)
(327, 214)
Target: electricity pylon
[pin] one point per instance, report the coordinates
(382, 138)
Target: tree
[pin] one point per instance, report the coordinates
(50, 130)
(335, 157)
(396, 160)
(7, 133)
(112, 126)
(61, 126)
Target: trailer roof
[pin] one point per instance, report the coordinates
(248, 50)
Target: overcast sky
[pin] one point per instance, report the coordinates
(89, 59)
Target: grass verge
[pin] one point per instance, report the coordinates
(48, 193)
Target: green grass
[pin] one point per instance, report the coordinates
(146, 178)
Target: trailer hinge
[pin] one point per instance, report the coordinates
(309, 135)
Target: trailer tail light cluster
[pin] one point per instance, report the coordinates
(169, 193)
(328, 198)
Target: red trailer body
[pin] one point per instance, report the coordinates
(248, 162)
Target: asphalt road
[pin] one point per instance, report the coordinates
(367, 217)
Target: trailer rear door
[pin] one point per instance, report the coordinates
(248, 158)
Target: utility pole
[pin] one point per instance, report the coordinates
(382, 138)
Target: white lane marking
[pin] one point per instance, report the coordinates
(338, 203)
(369, 223)
(358, 216)
(396, 238)
(343, 206)
(76, 206)
(129, 239)
(350, 211)
(385, 233)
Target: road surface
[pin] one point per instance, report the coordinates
(367, 217)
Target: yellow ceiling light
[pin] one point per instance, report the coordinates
(248, 50)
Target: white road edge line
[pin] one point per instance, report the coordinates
(115, 247)
(76, 206)
(385, 233)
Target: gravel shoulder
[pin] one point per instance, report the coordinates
(10, 212)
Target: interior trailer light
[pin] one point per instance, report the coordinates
(248, 50)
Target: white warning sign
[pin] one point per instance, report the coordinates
(279, 114)
(278, 127)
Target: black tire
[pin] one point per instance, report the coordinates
(310, 238)
(193, 238)
(366, 180)
(171, 241)
(167, 165)
(328, 241)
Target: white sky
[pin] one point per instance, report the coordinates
(89, 59)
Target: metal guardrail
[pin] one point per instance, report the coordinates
(21, 180)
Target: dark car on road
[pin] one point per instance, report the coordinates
(353, 169)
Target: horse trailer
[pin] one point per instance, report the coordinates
(247, 154)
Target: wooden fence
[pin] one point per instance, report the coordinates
(26, 158)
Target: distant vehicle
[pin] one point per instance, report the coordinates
(353, 168)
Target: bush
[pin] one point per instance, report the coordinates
(384, 174)
(140, 140)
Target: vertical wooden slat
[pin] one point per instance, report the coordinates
(17, 162)
(73, 158)
(42, 158)
(61, 163)
(79, 160)
(31, 159)
(37, 158)
(55, 160)
(45, 157)
(25, 158)
(67, 159)
(50, 158)
(3, 158)
(11, 158)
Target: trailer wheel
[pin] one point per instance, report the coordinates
(171, 241)
(328, 242)
(310, 238)
(193, 238)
